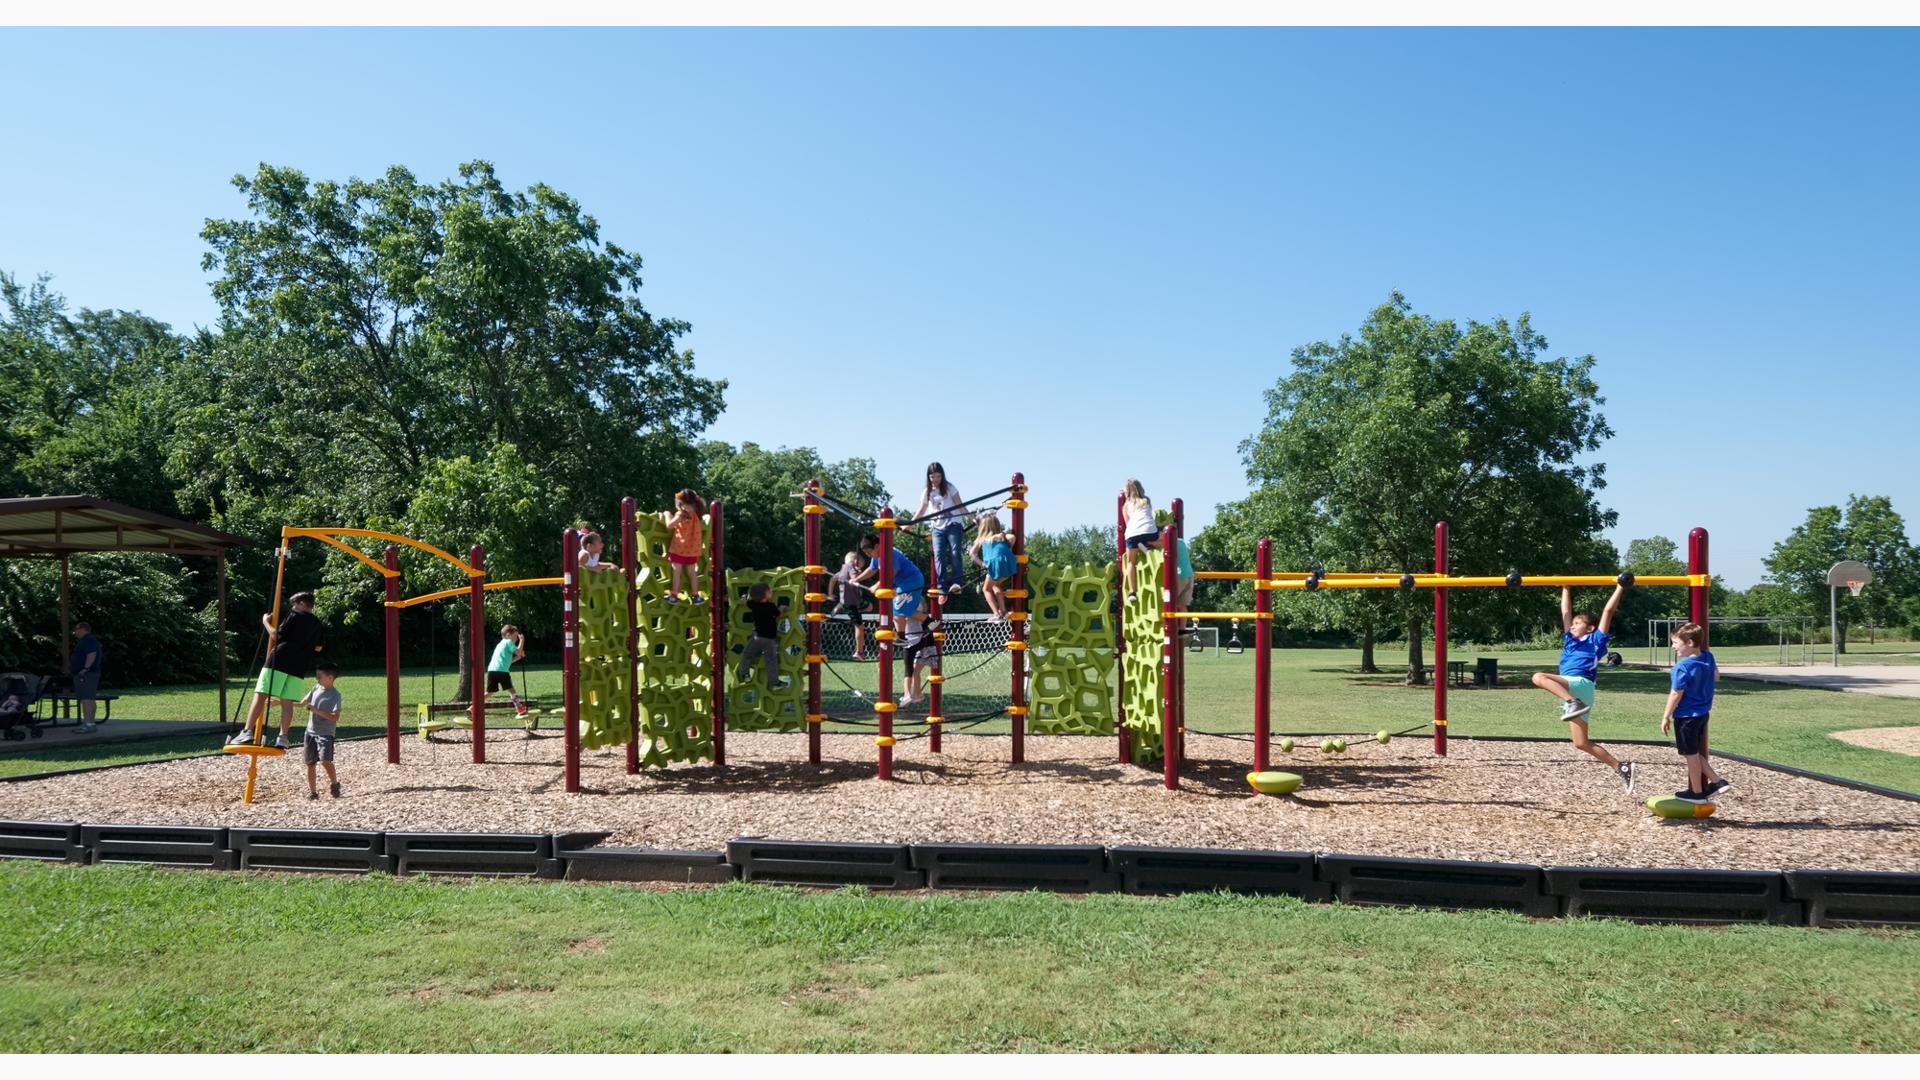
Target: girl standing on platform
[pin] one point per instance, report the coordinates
(994, 552)
(1140, 529)
(948, 526)
(689, 537)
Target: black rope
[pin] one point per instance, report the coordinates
(839, 507)
(958, 506)
(259, 644)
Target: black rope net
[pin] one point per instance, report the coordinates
(976, 667)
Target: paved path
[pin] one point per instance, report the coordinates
(68, 736)
(1888, 680)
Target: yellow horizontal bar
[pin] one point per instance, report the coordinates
(1217, 615)
(464, 589)
(1224, 575)
(1432, 581)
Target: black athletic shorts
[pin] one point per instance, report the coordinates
(1690, 734)
(499, 680)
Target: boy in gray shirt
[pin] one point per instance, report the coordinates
(323, 716)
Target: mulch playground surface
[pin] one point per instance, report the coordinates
(1542, 803)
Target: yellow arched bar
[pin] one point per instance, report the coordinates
(463, 590)
(1433, 581)
(327, 535)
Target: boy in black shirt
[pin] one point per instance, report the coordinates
(765, 642)
(295, 642)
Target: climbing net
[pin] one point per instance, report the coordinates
(974, 662)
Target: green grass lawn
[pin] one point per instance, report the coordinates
(133, 959)
(1314, 690)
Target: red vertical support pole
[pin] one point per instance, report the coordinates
(1120, 628)
(570, 654)
(630, 569)
(936, 601)
(717, 596)
(477, 651)
(1697, 594)
(392, 622)
(1017, 617)
(1179, 653)
(816, 586)
(1440, 642)
(1169, 677)
(884, 705)
(1262, 651)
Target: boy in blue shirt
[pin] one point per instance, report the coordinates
(1688, 706)
(1583, 643)
(908, 582)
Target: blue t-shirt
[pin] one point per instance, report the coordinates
(1185, 568)
(1693, 677)
(85, 647)
(1581, 656)
(906, 576)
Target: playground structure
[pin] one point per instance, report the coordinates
(1161, 569)
(637, 668)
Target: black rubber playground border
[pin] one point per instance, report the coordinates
(1818, 898)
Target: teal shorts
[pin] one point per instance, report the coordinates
(1581, 688)
(281, 685)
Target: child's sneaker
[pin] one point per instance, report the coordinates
(1626, 771)
(521, 712)
(672, 599)
(1717, 787)
(312, 794)
(334, 789)
(1573, 709)
(1690, 795)
(698, 599)
(280, 743)
(238, 737)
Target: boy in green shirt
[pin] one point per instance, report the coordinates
(512, 647)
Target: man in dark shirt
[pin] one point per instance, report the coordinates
(85, 669)
(295, 642)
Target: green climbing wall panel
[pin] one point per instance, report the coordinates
(1070, 654)
(674, 641)
(604, 670)
(1145, 678)
(751, 704)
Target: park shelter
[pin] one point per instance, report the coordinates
(57, 526)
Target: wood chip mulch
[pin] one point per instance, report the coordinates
(1541, 803)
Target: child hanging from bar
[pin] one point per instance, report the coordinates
(993, 551)
(511, 647)
(1140, 529)
(1583, 643)
(689, 537)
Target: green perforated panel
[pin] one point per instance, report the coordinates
(751, 704)
(1071, 650)
(1145, 677)
(676, 688)
(604, 670)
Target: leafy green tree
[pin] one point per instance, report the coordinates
(1371, 439)
(143, 608)
(1869, 530)
(763, 514)
(1073, 546)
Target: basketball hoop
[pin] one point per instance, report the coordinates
(1855, 586)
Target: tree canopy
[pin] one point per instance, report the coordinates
(1867, 529)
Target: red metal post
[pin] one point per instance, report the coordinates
(477, 651)
(1017, 617)
(630, 569)
(1440, 642)
(717, 596)
(1169, 677)
(392, 623)
(1179, 652)
(816, 584)
(936, 601)
(1262, 652)
(884, 705)
(1120, 628)
(1697, 594)
(570, 654)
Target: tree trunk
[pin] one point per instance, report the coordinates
(463, 685)
(1416, 664)
(1367, 666)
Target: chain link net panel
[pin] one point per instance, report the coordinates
(976, 670)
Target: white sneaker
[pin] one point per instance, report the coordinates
(1573, 709)
(84, 728)
(239, 737)
(280, 743)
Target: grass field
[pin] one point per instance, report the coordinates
(1314, 690)
(131, 959)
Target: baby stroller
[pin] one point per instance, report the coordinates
(18, 693)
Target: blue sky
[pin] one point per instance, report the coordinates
(1085, 253)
